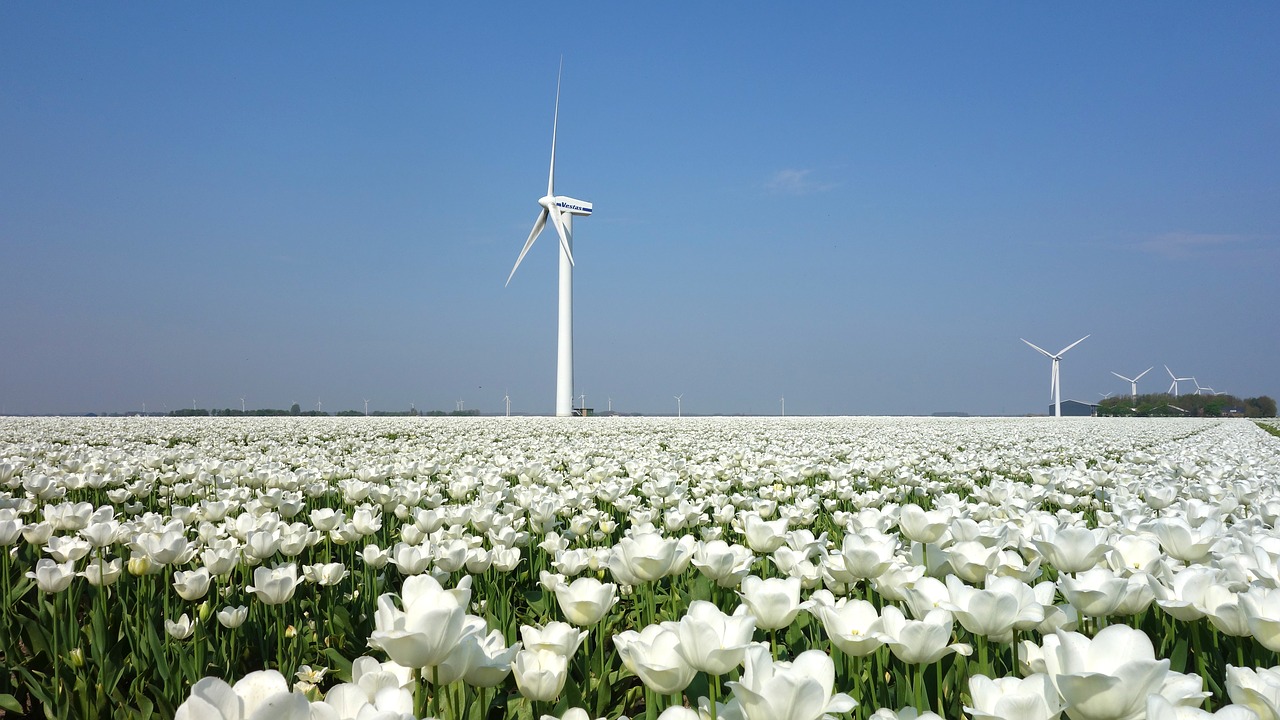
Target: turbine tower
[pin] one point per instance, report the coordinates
(1133, 382)
(560, 209)
(1055, 391)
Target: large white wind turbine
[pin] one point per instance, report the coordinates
(1173, 387)
(1133, 381)
(560, 209)
(1055, 391)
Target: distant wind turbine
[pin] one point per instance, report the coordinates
(560, 209)
(366, 407)
(507, 399)
(1173, 386)
(783, 400)
(678, 398)
(241, 406)
(1055, 391)
(1133, 382)
(1106, 395)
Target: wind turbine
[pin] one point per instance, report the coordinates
(366, 407)
(507, 399)
(1105, 395)
(678, 399)
(241, 406)
(1173, 386)
(1055, 391)
(1133, 382)
(783, 399)
(560, 209)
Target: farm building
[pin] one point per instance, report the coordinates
(1075, 408)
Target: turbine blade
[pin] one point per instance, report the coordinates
(533, 235)
(564, 239)
(1166, 369)
(551, 176)
(1144, 372)
(1113, 372)
(1037, 347)
(1065, 349)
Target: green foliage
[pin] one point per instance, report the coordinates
(1165, 405)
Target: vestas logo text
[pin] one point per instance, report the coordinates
(568, 206)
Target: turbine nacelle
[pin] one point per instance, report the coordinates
(569, 205)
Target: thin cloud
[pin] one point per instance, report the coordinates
(795, 182)
(1184, 245)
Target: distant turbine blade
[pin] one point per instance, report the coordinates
(1037, 347)
(538, 224)
(1065, 349)
(564, 239)
(1144, 372)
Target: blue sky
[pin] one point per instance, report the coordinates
(862, 207)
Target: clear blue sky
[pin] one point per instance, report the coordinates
(862, 207)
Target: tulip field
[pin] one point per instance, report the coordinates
(673, 568)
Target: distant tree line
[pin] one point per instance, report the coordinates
(299, 412)
(1166, 405)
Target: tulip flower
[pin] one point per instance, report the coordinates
(1261, 608)
(653, 656)
(763, 536)
(1094, 593)
(711, 641)
(920, 642)
(1030, 698)
(1072, 549)
(1160, 708)
(869, 554)
(922, 526)
(1184, 542)
(180, 629)
(191, 585)
(428, 628)
(489, 661)
(586, 600)
(1108, 677)
(852, 625)
(274, 586)
(774, 602)
(1258, 690)
(802, 689)
(556, 637)
(993, 611)
(724, 563)
(102, 573)
(324, 573)
(52, 577)
(643, 558)
(540, 674)
(258, 695)
(232, 617)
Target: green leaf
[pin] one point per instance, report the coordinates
(341, 666)
(9, 703)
